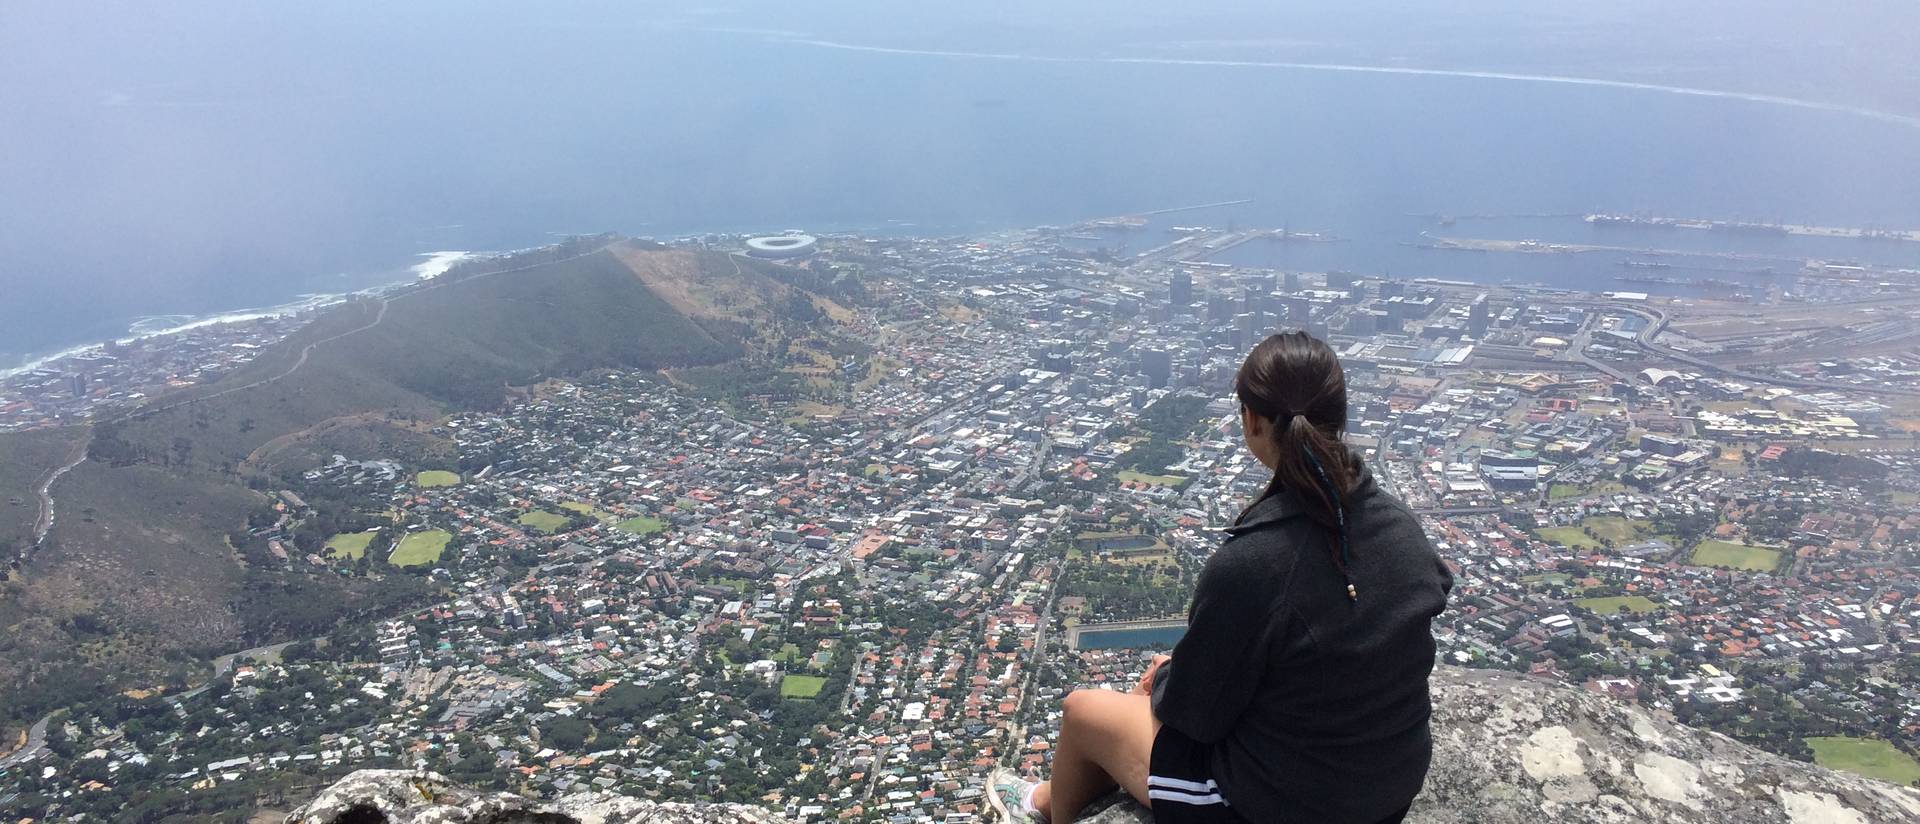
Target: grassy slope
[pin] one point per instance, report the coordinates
(25, 459)
(371, 435)
(164, 509)
(136, 569)
(457, 346)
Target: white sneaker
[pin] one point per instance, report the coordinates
(1008, 793)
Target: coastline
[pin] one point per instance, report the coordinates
(426, 266)
(153, 326)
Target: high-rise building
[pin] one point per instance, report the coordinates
(1157, 365)
(1478, 317)
(1180, 291)
(1291, 282)
(1297, 311)
(1219, 306)
(1360, 323)
(1340, 280)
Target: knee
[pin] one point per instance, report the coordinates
(1074, 708)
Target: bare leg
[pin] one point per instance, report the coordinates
(1106, 739)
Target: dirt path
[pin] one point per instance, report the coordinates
(44, 524)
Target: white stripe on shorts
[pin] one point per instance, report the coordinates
(1155, 794)
(1182, 784)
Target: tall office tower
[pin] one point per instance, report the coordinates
(1478, 317)
(1180, 292)
(1157, 365)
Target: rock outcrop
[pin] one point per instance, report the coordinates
(1508, 750)
(404, 797)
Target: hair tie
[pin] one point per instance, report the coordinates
(1339, 519)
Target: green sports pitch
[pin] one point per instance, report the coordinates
(436, 477)
(420, 548)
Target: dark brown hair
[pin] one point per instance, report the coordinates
(1295, 381)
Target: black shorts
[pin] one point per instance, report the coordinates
(1180, 784)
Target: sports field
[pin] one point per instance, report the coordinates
(588, 510)
(540, 519)
(1736, 556)
(1870, 757)
(641, 525)
(1612, 605)
(1130, 476)
(1567, 536)
(420, 548)
(435, 477)
(350, 544)
(1605, 528)
(801, 686)
(1558, 492)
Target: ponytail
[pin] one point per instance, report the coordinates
(1295, 381)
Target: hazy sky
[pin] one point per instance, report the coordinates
(153, 151)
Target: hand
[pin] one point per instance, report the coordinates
(1145, 687)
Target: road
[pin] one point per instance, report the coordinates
(37, 736)
(36, 745)
(379, 318)
(305, 353)
(43, 524)
(1033, 467)
(224, 664)
(1017, 731)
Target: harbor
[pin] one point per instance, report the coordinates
(1754, 227)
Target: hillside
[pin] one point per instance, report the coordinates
(26, 459)
(1508, 749)
(460, 344)
(139, 581)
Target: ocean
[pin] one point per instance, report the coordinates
(222, 162)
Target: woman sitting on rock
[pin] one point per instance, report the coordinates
(1299, 693)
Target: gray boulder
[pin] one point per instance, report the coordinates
(1508, 749)
(406, 797)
